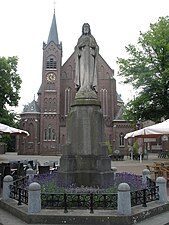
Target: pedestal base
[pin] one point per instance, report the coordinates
(85, 159)
(87, 178)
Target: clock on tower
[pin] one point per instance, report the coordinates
(51, 77)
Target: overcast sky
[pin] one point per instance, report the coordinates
(25, 25)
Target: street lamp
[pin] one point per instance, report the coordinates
(114, 140)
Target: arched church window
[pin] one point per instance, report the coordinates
(54, 104)
(53, 135)
(104, 101)
(45, 134)
(68, 97)
(51, 63)
(121, 140)
(49, 133)
(50, 104)
(32, 133)
(45, 104)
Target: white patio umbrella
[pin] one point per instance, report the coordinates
(5, 129)
(151, 131)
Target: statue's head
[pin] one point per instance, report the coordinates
(86, 29)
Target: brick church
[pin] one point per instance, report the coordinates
(45, 118)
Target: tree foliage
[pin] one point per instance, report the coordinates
(147, 70)
(10, 84)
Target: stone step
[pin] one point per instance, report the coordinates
(161, 219)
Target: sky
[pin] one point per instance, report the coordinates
(25, 25)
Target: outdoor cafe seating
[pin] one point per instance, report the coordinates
(43, 169)
(48, 167)
(163, 154)
(159, 169)
(16, 169)
(117, 155)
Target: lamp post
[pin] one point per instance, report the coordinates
(114, 139)
(130, 143)
(140, 140)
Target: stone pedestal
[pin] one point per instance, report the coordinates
(85, 158)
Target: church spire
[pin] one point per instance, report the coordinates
(53, 34)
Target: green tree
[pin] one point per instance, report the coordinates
(147, 70)
(10, 84)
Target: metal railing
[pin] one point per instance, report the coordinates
(89, 201)
(142, 197)
(18, 190)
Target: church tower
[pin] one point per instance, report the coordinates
(41, 117)
(49, 93)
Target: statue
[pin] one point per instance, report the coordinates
(86, 54)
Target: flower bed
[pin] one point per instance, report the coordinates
(51, 184)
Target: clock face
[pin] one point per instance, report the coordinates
(50, 77)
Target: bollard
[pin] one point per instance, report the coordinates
(145, 175)
(0, 182)
(7, 181)
(114, 170)
(30, 173)
(162, 184)
(34, 198)
(124, 199)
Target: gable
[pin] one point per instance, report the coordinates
(104, 70)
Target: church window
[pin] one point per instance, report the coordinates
(32, 133)
(104, 101)
(53, 135)
(68, 96)
(50, 104)
(49, 133)
(51, 63)
(54, 104)
(121, 140)
(45, 104)
(45, 134)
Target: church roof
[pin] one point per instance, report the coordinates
(53, 33)
(119, 115)
(119, 99)
(31, 107)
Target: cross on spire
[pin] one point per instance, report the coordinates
(54, 4)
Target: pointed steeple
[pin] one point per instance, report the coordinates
(53, 34)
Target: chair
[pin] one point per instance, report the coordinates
(14, 168)
(21, 172)
(44, 169)
(1, 168)
(157, 169)
(6, 171)
(30, 162)
(150, 168)
(165, 173)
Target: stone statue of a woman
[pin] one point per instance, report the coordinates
(86, 54)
